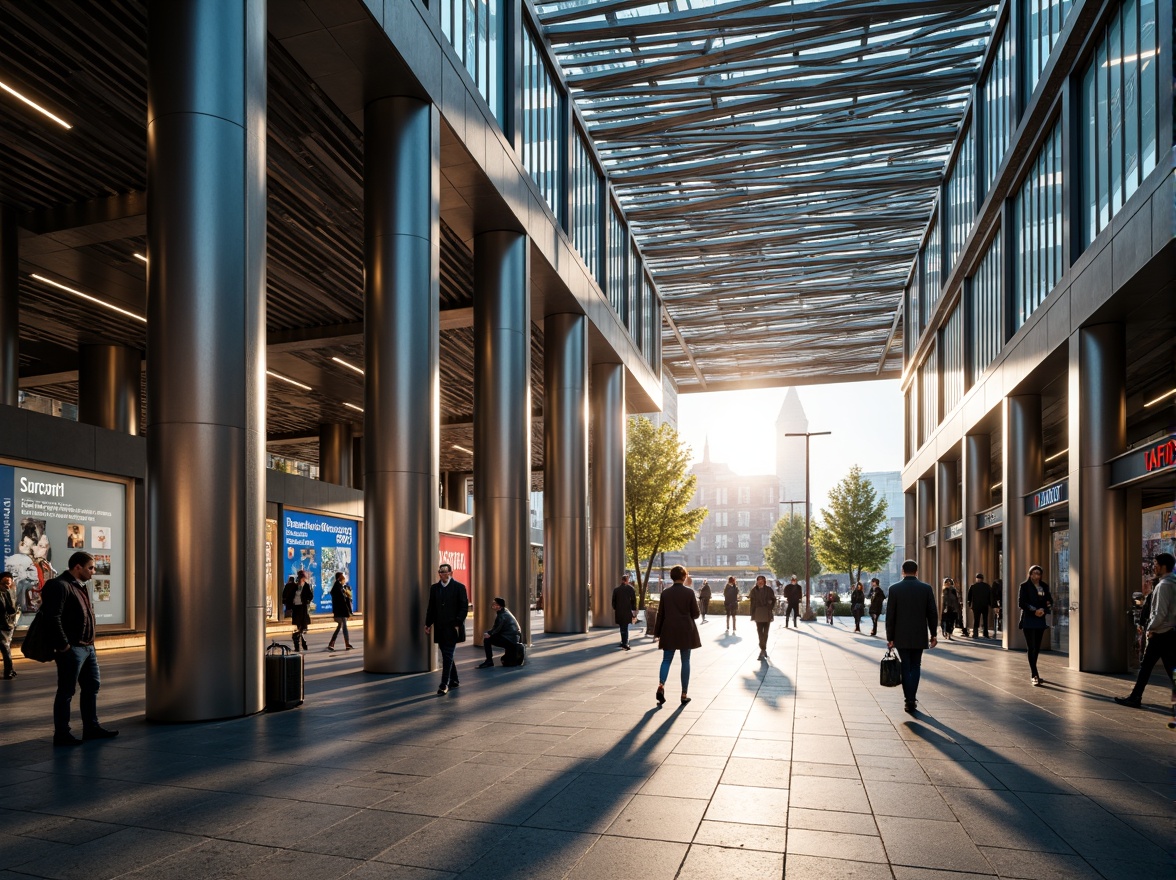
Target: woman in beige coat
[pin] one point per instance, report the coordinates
(676, 631)
(763, 608)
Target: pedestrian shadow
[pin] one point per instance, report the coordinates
(730, 639)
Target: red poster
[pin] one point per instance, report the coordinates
(455, 550)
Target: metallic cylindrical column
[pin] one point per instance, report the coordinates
(357, 463)
(9, 310)
(335, 443)
(206, 227)
(1099, 581)
(502, 424)
(109, 381)
(1024, 536)
(977, 493)
(910, 526)
(454, 489)
(565, 473)
(947, 506)
(606, 396)
(402, 382)
(925, 555)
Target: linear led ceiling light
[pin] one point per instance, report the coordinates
(293, 382)
(1163, 396)
(997, 485)
(353, 406)
(33, 104)
(1058, 454)
(139, 256)
(349, 366)
(88, 297)
(463, 449)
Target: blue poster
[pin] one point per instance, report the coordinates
(321, 546)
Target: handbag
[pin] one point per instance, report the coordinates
(890, 673)
(36, 644)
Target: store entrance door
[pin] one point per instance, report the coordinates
(1059, 585)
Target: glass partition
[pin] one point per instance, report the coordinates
(542, 128)
(1043, 24)
(474, 30)
(961, 198)
(987, 309)
(1038, 224)
(997, 92)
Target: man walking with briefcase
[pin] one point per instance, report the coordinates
(911, 620)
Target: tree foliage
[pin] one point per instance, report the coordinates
(785, 551)
(853, 534)
(658, 491)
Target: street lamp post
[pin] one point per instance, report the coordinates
(791, 507)
(808, 613)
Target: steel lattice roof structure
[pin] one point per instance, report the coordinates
(778, 163)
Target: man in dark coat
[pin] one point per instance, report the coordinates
(506, 633)
(911, 620)
(979, 600)
(69, 615)
(792, 596)
(449, 603)
(624, 603)
(877, 597)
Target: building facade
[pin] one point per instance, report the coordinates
(1039, 324)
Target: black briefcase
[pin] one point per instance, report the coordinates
(284, 680)
(890, 674)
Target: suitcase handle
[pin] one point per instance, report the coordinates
(275, 646)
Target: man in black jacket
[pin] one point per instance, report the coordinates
(624, 603)
(911, 620)
(505, 633)
(69, 615)
(979, 600)
(449, 603)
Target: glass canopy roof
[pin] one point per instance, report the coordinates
(778, 163)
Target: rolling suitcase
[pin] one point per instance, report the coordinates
(283, 678)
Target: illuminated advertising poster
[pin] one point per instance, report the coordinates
(45, 517)
(455, 550)
(321, 546)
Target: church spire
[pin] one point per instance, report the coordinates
(706, 450)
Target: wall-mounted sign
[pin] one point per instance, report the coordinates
(45, 517)
(1048, 496)
(321, 546)
(931, 539)
(455, 550)
(1152, 458)
(954, 532)
(987, 519)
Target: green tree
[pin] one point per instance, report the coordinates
(853, 535)
(658, 491)
(785, 551)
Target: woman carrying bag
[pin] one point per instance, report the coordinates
(1035, 602)
(951, 607)
(340, 610)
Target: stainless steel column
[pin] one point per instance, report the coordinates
(335, 443)
(925, 555)
(947, 506)
(357, 463)
(1025, 541)
(502, 424)
(110, 378)
(1099, 577)
(606, 396)
(206, 226)
(402, 237)
(9, 310)
(977, 493)
(565, 474)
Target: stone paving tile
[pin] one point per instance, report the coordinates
(1027, 865)
(904, 799)
(683, 781)
(929, 843)
(17, 851)
(658, 860)
(386, 871)
(883, 769)
(448, 845)
(1001, 818)
(363, 835)
(533, 853)
(960, 774)
(660, 818)
(771, 838)
(837, 842)
(1093, 832)
(209, 859)
(754, 771)
(821, 793)
(800, 867)
(109, 856)
(820, 749)
(905, 872)
(590, 803)
(709, 862)
(749, 805)
(834, 771)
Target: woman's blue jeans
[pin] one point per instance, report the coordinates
(667, 656)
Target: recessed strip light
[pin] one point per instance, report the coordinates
(463, 449)
(353, 406)
(1058, 454)
(88, 297)
(139, 256)
(996, 486)
(293, 382)
(349, 366)
(33, 104)
(1163, 396)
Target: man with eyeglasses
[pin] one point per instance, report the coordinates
(445, 618)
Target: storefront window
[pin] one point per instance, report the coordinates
(1059, 584)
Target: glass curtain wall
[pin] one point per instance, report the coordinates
(542, 128)
(632, 315)
(929, 258)
(1043, 25)
(1038, 224)
(953, 360)
(998, 106)
(1119, 123)
(618, 252)
(474, 30)
(585, 182)
(987, 314)
(928, 396)
(961, 198)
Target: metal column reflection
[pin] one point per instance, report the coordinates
(947, 507)
(502, 425)
(335, 443)
(110, 378)
(9, 310)
(607, 421)
(977, 493)
(1098, 515)
(402, 381)
(565, 473)
(1024, 535)
(206, 226)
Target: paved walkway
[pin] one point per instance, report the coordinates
(798, 768)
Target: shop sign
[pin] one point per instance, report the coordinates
(1153, 458)
(455, 550)
(954, 532)
(322, 546)
(994, 516)
(45, 517)
(931, 539)
(1047, 497)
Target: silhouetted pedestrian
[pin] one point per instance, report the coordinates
(950, 597)
(1035, 602)
(763, 608)
(910, 627)
(857, 606)
(877, 597)
(793, 593)
(731, 602)
(624, 603)
(704, 598)
(676, 631)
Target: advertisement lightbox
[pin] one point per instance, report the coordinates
(47, 516)
(321, 546)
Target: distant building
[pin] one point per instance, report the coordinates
(888, 485)
(790, 461)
